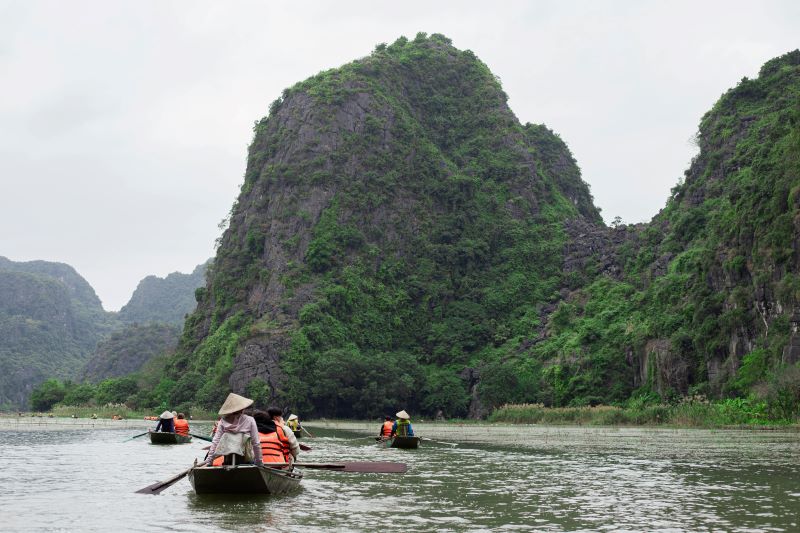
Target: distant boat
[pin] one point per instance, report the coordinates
(243, 479)
(408, 443)
(165, 437)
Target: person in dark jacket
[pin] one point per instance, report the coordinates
(166, 423)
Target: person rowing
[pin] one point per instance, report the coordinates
(402, 427)
(235, 422)
(277, 416)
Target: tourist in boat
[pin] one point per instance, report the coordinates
(386, 428)
(166, 423)
(275, 446)
(235, 421)
(293, 422)
(402, 427)
(182, 425)
(277, 416)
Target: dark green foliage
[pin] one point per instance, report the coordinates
(730, 235)
(115, 390)
(47, 394)
(128, 349)
(50, 321)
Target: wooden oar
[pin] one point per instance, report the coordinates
(362, 438)
(306, 431)
(208, 439)
(137, 436)
(376, 467)
(160, 486)
(439, 441)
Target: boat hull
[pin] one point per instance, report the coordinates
(164, 437)
(297, 433)
(243, 479)
(406, 443)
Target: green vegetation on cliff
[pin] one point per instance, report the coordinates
(397, 226)
(52, 325)
(127, 350)
(50, 321)
(708, 291)
(164, 300)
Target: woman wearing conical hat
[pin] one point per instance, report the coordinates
(165, 423)
(402, 426)
(235, 421)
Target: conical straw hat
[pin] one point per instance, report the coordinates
(166, 415)
(292, 417)
(234, 403)
(403, 414)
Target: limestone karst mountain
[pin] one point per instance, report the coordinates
(401, 239)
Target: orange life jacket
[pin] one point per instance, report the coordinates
(182, 427)
(386, 430)
(275, 446)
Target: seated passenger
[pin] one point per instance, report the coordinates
(182, 425)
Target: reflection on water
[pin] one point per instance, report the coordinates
(538, 479)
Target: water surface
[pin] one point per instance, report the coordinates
(499, 478)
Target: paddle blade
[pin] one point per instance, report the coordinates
(374, 467)
(305, 448)
(136, 436)
(161, 486)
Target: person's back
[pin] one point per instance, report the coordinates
(275, 447)
(386, 428)
(182, 425)
(166, 423)
(402, 428)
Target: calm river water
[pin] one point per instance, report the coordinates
(533, 479)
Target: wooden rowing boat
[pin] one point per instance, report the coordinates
(406, 443)
(165, 437)
(297, 433)
(243, 479)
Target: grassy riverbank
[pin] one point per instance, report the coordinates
(689, 413)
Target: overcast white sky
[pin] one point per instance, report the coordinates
(124, 125)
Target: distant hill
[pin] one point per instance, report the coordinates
(128, 349)
(166, 300)
(52, 325)
(50, 321)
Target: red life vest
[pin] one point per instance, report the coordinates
(386, 430)
(275, 446)
(182, 427)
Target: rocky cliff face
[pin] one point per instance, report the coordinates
(401, 240)
(395, 218)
